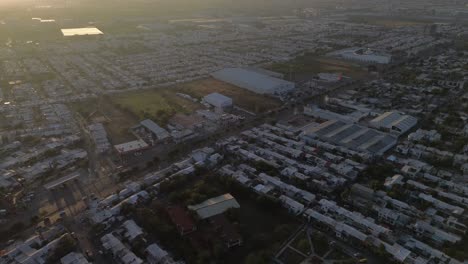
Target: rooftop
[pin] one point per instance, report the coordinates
(69, 32)
(214, 206)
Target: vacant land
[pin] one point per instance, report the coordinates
(243, 98)
(122, 111)
(157, 104)
(309, 64)
(387, 22)
(290, 256)
(116, 121)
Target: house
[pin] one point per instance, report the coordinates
(292, 205)
(74, 258)
(119, 251)
(132, 230)
(394, 180)
(157, 255)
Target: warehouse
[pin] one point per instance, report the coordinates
(352, 136)
(394, 122)
(254, 81)
(158, 132)
(218, 100)
(215, 206)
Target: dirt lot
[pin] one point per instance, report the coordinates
(310, 64)
(387, 22)
(243, 98)
(116, 121)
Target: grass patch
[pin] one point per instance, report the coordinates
(159, 105)
(301, 243)
(290, 256)
(338, 254)
(320, 243)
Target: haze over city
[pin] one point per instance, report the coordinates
(219, 131)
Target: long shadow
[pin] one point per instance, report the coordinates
(69, 198)
(80, 188)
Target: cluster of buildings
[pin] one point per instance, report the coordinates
(218, 113)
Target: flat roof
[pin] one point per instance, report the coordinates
(251, 80)
(160, 132)
(69, 32)
(131, 146)
(353, 136)
(214, 206)
(60, 181)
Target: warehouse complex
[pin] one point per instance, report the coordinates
(394, 122)
(352, 136)
(254, 81)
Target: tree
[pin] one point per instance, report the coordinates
(260, 257)
(64, 246)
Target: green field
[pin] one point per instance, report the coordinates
(159, 105)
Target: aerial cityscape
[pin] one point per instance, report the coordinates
(216, 131)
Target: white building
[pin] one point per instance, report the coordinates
(218, 100)
(254, 81)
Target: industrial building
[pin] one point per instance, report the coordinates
(352, 136)
(218, 100)
(254, 81)
(394, 122)
(128, 149)
(363, 55)
(158, 132)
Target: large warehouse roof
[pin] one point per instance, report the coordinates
(353, 136)
(394, 121)
(215, 206)
(254, 81)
